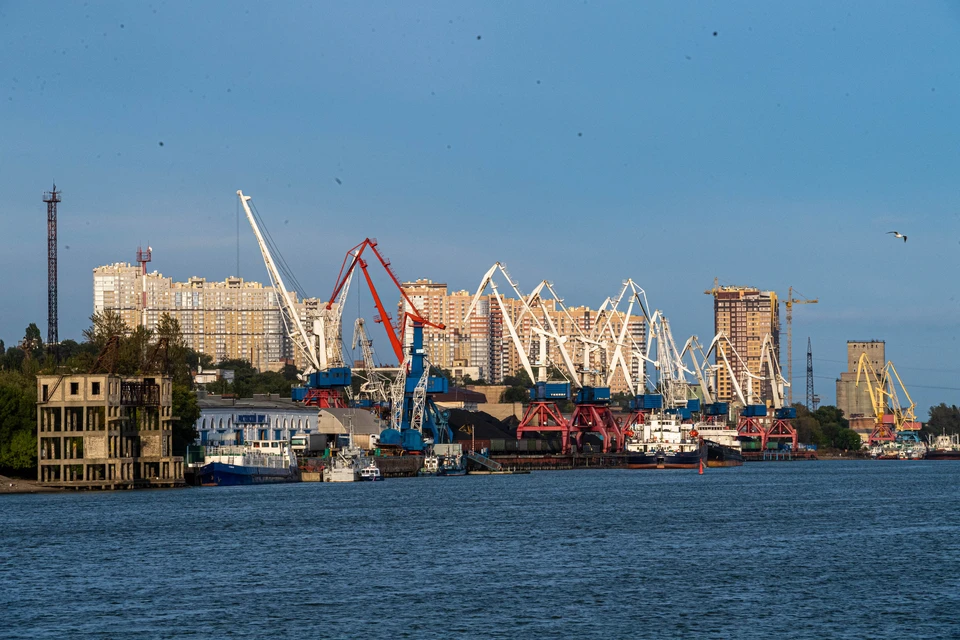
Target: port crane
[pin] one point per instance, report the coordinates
(413, 411)
(325, 381)
(712, 409)
(780, 426)
(591, 412)
(891, 417)
(750, 423)
(543, 412)
(374, 387)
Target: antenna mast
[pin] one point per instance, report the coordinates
(52, 198)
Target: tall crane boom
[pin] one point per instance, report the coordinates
(788, 303)
(316, 360)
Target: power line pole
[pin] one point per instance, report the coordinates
(53, 340)
(811, 396)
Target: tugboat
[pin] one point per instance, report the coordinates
(445, 460)
(665, 442)
(371, 473)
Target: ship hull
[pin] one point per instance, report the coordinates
(719, 455)
(943, 455)
(219, 474)
(660, 460)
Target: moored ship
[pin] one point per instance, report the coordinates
(258, 462)
(665, 442)
(445, 460)
(723, 444)
(944, 447)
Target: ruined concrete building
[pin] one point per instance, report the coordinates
(104, 431)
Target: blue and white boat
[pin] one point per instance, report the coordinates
(257, 462)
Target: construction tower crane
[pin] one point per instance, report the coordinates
(325, 384)
(789, 302)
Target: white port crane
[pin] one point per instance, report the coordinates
(669, 364)
(375, 384)
(302, 340)
(488, 280)
(707, 384)
(720, 345)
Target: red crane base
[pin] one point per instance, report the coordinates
(325, 399)
(597, 418)
(881, 433)
(636, 419)
(752, 428)
(545, 417)
(783, 429)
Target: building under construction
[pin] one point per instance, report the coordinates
(104, 431)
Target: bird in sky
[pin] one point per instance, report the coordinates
(897, 234)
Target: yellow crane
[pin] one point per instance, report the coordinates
(883, 388)
(789, 302)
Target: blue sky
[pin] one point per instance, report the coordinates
(584, 143)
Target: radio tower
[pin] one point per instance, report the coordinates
(811, 396)
(52, 198)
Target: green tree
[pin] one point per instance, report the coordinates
(32, 338)
(515, 394)
(169, 327)
(848, 440)
(18, 423)
(105, 325)
(943, 419)
(186, 412)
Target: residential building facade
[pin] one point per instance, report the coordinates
(746, 316)
(233, 319)
(483, 340)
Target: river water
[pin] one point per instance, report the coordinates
(800, 550)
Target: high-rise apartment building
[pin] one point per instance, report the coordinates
(746, 315)
(483, 341)
(854, 400)
(233, 319)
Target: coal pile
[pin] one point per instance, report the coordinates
(486, 427)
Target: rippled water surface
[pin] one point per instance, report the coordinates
(822, 549)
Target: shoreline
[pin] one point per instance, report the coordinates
(16, 485)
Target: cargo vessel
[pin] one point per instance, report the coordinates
(723, 444)
(944, 447)
(664, 442)
(257, 462)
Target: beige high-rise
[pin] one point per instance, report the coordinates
(746, 315)
(484, 341)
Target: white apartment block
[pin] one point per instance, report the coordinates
(233, 319)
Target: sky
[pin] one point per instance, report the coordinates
(764, 144)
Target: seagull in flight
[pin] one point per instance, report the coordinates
(897, 234)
